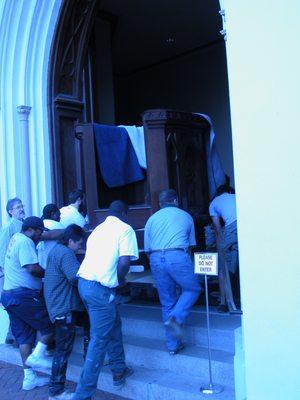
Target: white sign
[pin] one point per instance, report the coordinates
(206, 263)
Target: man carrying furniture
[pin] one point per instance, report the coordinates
(168, 235)
(110, 247)
(23, 299)
(62, 300)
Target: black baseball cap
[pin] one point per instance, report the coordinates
(34, 223)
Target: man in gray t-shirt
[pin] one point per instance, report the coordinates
(15, 210)
(21, 251)
(23, 300)
(168, 235)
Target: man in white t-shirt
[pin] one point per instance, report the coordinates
(51, 218)
(71, 214)
(110, 248)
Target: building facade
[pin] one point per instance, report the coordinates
(263, 73)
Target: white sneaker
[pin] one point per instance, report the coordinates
(62, 396)
(32, 381)
(39, 363)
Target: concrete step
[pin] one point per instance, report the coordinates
(152, 354)
(144, 384)
(152, 384)
(145, 321)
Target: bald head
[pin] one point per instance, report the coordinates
(118, 209)
(167, 198)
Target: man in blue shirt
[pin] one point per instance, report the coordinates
(168, 235)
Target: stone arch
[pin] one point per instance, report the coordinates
(26, 32)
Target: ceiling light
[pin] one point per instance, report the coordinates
(170, 40)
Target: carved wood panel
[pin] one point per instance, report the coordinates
(67, 97)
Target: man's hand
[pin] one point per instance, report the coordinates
(35, 270)
(122, 284)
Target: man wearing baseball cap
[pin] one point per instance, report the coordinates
(23, 299)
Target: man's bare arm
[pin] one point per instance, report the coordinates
(54, 234)
(123, 268)
(35, 270)
(217, 226)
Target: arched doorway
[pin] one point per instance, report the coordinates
(111, 60)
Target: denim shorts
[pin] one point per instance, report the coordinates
(27, 313)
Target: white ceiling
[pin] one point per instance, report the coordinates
(144, 26)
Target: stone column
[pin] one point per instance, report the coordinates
(24, 168)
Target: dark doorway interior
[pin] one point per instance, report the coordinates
(160, 54)
(152, 54)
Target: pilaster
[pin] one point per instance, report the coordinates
(24, 160)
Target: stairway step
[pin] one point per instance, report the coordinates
(145, 383)
(152, 384)
(220, 340)
(197, 316)
(151, 353)
(145, 321)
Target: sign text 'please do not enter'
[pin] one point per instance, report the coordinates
(206, 263)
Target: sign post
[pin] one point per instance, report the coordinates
(207, 264)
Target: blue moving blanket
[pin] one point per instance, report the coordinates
(117, 159)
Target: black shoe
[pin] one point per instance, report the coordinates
(120, 377)
(236, 312)
(223, 308)
(175, 328)
(177, 350)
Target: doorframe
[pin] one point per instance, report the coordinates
(66, 101)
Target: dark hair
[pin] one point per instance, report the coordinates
(224, 189)
(73, 232)
(118, 208)
(33, 223)
(75, 194)
(167, 197)
(10, 204)
(48, 210)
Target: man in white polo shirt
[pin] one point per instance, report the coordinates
(110, 248)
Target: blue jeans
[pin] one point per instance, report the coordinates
(173, 270)
(106, 336)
